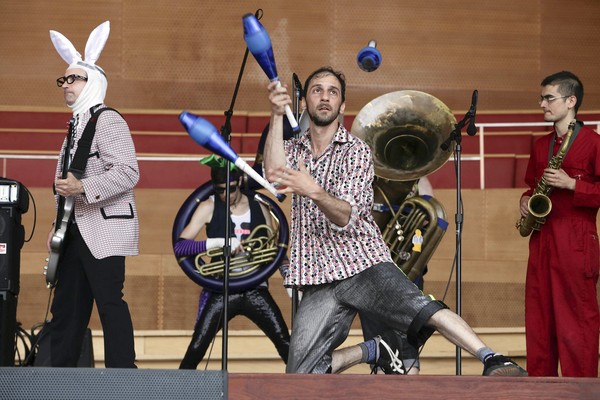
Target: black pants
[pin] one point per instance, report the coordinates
(81, 280)
(256, 304)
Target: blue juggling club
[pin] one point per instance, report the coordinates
(206, 135)
(369, 58)
(258, 42)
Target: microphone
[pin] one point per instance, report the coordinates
(369, 58)
(298, 84)
(472, 129)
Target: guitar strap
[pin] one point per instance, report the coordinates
(84, 144)
(80, 159)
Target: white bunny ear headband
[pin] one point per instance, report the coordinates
(93, 48)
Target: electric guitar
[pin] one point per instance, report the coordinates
(76, 167)
(57, 242)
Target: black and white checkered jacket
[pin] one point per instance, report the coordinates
(106, 213)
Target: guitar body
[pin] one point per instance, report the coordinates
(57, 243)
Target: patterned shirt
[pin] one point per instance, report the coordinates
(322, 252)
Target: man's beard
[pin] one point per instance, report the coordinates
(323, 121)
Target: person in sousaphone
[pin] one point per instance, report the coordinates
(256, 303)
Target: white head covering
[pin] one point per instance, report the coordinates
(95, 89)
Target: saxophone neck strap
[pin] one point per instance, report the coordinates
(576, 129)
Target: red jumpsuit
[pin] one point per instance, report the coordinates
(561, 309)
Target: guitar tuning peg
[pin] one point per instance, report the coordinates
(47, 259)
(45, 268)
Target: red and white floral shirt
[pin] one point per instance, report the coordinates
(320, 251)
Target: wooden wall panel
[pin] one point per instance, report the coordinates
(160, 296)
(186, 55)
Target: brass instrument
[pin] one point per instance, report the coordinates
(258, 251)
(264, 249)
(405, 130)
(539, 204)
(418, 213)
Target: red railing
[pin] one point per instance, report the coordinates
(496, 157)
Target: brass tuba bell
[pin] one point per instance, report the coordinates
(405, 130)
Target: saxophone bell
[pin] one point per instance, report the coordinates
(539, 206)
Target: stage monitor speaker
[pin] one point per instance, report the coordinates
(44, 350)
(111, 383)
(8, 327)
(12, 236)
(14, 201)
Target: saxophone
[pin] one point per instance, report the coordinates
(539, 204)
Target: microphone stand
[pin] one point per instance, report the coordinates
(226, 135)
(455, 136)
(297, 97)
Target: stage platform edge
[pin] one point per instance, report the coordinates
(349, 387)
(17, 383)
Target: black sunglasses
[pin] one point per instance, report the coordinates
(221, 190)
(69, 79)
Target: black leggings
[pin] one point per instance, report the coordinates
(256, 304)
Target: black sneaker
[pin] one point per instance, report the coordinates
(499, 365)
(388, 358)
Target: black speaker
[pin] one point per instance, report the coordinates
(44, 350)
(13, 202)
(111, 383)
(8, 326)
(12, 236)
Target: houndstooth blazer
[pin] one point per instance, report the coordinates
(106, 213)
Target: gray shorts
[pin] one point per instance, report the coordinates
(325, 314)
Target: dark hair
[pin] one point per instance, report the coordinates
(568, 85)
(328, 71)
(219, 175)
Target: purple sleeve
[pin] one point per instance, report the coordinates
(188, 247)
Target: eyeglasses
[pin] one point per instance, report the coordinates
(221, 190)
(549, 98)
(69, 79)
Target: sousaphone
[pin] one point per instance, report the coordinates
(405, 130)
(255, 265)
